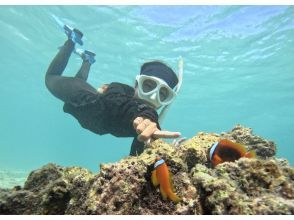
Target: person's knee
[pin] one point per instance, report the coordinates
(49, 82)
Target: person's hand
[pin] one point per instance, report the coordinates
(148, 130)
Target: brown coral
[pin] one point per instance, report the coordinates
(247, 186)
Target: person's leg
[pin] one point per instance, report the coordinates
(53, 79)
(60, 61)
(84, 71)
(66, 88)
(88, 60)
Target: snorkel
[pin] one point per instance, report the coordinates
(165, 109)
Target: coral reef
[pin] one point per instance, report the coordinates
(248, 186)
(263, 148)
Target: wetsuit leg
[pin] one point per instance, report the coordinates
(66, 88)
(84, 71)
(60, 61)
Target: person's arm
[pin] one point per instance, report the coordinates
(132, 114)
(120, 110)
(148, 130)
(112, 112)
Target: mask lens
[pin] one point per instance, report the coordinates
(163, 94)
(148, 85)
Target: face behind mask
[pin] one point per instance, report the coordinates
(163, 86)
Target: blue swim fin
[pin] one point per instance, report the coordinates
(74, 34)
(86, 55)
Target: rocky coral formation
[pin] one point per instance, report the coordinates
(248, 186)
(263, 148)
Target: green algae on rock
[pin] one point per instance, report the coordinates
(248, 186)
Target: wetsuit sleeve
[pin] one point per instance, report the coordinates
(121, 110)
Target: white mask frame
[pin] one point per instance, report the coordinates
(153, 96)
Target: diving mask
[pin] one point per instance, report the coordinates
(154, 90)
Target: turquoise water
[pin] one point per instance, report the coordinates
(239, 68)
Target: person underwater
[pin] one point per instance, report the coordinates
(157, 85)
(227, 151)
(115, 108)
(161, 176)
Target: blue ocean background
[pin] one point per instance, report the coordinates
(238, 69)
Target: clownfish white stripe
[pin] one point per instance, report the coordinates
(159, 162)
(212, 149)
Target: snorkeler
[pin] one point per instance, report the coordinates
(114, 108)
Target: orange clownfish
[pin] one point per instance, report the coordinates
(228, 151)
(161, 176)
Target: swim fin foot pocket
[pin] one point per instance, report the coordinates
(74, 34)
(86, 55)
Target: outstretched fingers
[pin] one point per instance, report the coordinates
(147, 130)
(165, 134)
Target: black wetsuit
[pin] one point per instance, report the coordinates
(112, 112)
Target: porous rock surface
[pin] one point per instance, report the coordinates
(248, 186)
